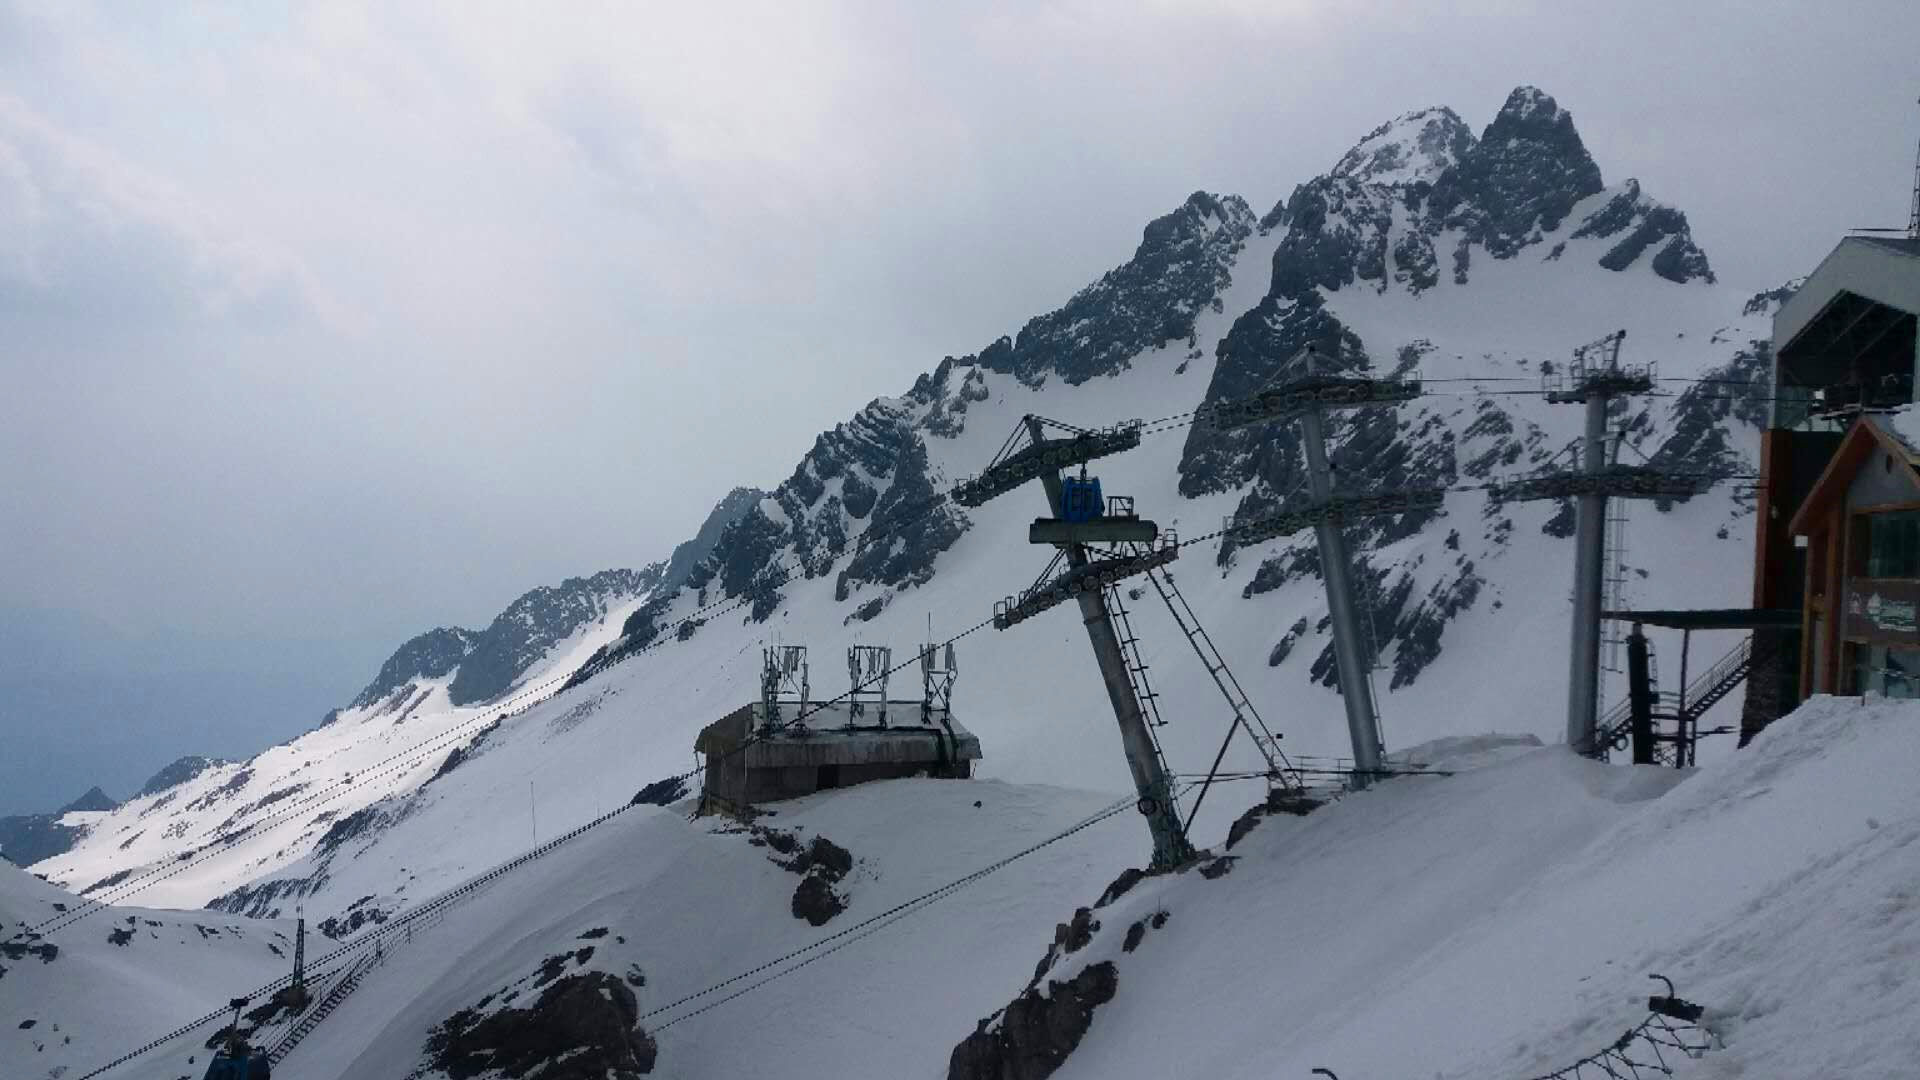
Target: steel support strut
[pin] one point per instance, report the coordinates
(1150, 779)
(1356, 689)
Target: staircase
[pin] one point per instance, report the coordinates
(1712, 687)
(348, 981)
(1718, 681)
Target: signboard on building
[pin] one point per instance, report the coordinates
(1883, 609)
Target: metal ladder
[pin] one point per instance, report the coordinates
(1245, 715)
(334, 996)
(1137, 675)
(1136, 665)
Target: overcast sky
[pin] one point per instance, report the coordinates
(322, 324)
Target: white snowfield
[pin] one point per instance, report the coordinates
(1498, 922)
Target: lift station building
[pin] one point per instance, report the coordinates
(828, 745)
(1838, 535)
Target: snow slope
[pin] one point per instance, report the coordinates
(78, 999)
(1500, 921)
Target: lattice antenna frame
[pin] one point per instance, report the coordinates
(783, 680)
(868, 667)
(938, 673)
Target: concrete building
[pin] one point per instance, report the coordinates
(836, 745)
(1846, 353)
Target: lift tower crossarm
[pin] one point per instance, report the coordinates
(1614, 481)
(1044, 457)
(1338, 509)
(1288, 401)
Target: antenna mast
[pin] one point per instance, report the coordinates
(1913, 215)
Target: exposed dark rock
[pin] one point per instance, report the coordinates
(456, 757)
(264, 899)
(1034, 1034)
(1121, 886)
(1646, 224)
(122, 936)
(582, 1027)
(914, 535)
(359, 823)
(690, 553)
(815, 901)
(1078, 933)
(94, 799)
(1135, 935)
(1180, 267)
(107, 882)
(45, 952)
(362, 912)
(535, 623)
(425, 656)
(1217, 868)
(662, 792)
(225, 791)
(1709, 416)
(1759, 302)
(1284, 647)
(26, 839)
(1523, 177)
(1561, 524)
(1278, 801)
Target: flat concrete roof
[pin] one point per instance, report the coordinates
(833, 733)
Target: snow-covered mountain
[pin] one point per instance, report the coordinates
(1479, 261)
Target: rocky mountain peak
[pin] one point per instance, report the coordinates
(1412, 147)
(94, 799)
(1527, 172)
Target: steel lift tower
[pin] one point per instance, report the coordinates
(1594, 378)
(1307, 400)
(1085, 581)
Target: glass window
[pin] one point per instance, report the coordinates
(1892, 672)
(1893, 545)
(1902, 673)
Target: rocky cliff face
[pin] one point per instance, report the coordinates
(1181, 265)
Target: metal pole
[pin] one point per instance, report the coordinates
(1356, 691)
(1170, 846)
(1683, 746)
(1583, 680)
(1640, 696)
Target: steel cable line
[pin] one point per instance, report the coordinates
(870, 925)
